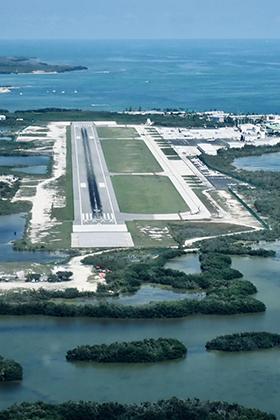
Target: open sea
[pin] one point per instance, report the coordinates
(200, 75)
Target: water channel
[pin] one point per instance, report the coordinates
(251, 379)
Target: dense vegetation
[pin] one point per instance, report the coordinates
(235, 245)
(7, 191)
(10, 370)
(175, 409)
(6, 207)
(126, 270)
(127, 275)
(145, 351)
(227, 293)
(167, 117)
(226, 299)
(244, 341)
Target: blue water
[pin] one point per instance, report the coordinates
(35, 165)
(32, 170)
(266, 162)
(11, 228)
(24, 160)
(230, 75)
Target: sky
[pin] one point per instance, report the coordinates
(140, 19)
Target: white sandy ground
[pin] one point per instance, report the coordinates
(46, 191)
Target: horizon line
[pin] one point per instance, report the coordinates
(141, 39)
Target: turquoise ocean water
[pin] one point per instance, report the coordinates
(229, 75)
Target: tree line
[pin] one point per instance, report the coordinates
(174, 408)
(215, 303)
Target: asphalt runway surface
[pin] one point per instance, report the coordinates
(94, 198)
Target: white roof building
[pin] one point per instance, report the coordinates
(207, 148)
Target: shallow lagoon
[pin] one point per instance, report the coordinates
(28, 164)
(251, 379)
(35, 170)
(147, 294)
(24, 160)
(11, 228)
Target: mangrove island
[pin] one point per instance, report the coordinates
(145, 351)
(10, 370)
(244, 341)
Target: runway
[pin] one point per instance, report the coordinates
(97, 221)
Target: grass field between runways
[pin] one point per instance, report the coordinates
(149, 194)
(117, 132)
(128, 156)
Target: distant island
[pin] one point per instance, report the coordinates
(145, 351)
(10, 370)
(245, 341)
(14, 65)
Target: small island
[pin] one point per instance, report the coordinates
(14, 65)
(246, 341)
(10, 370)
(145, 351)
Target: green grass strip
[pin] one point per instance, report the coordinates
(147, 194)
(128, 156)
